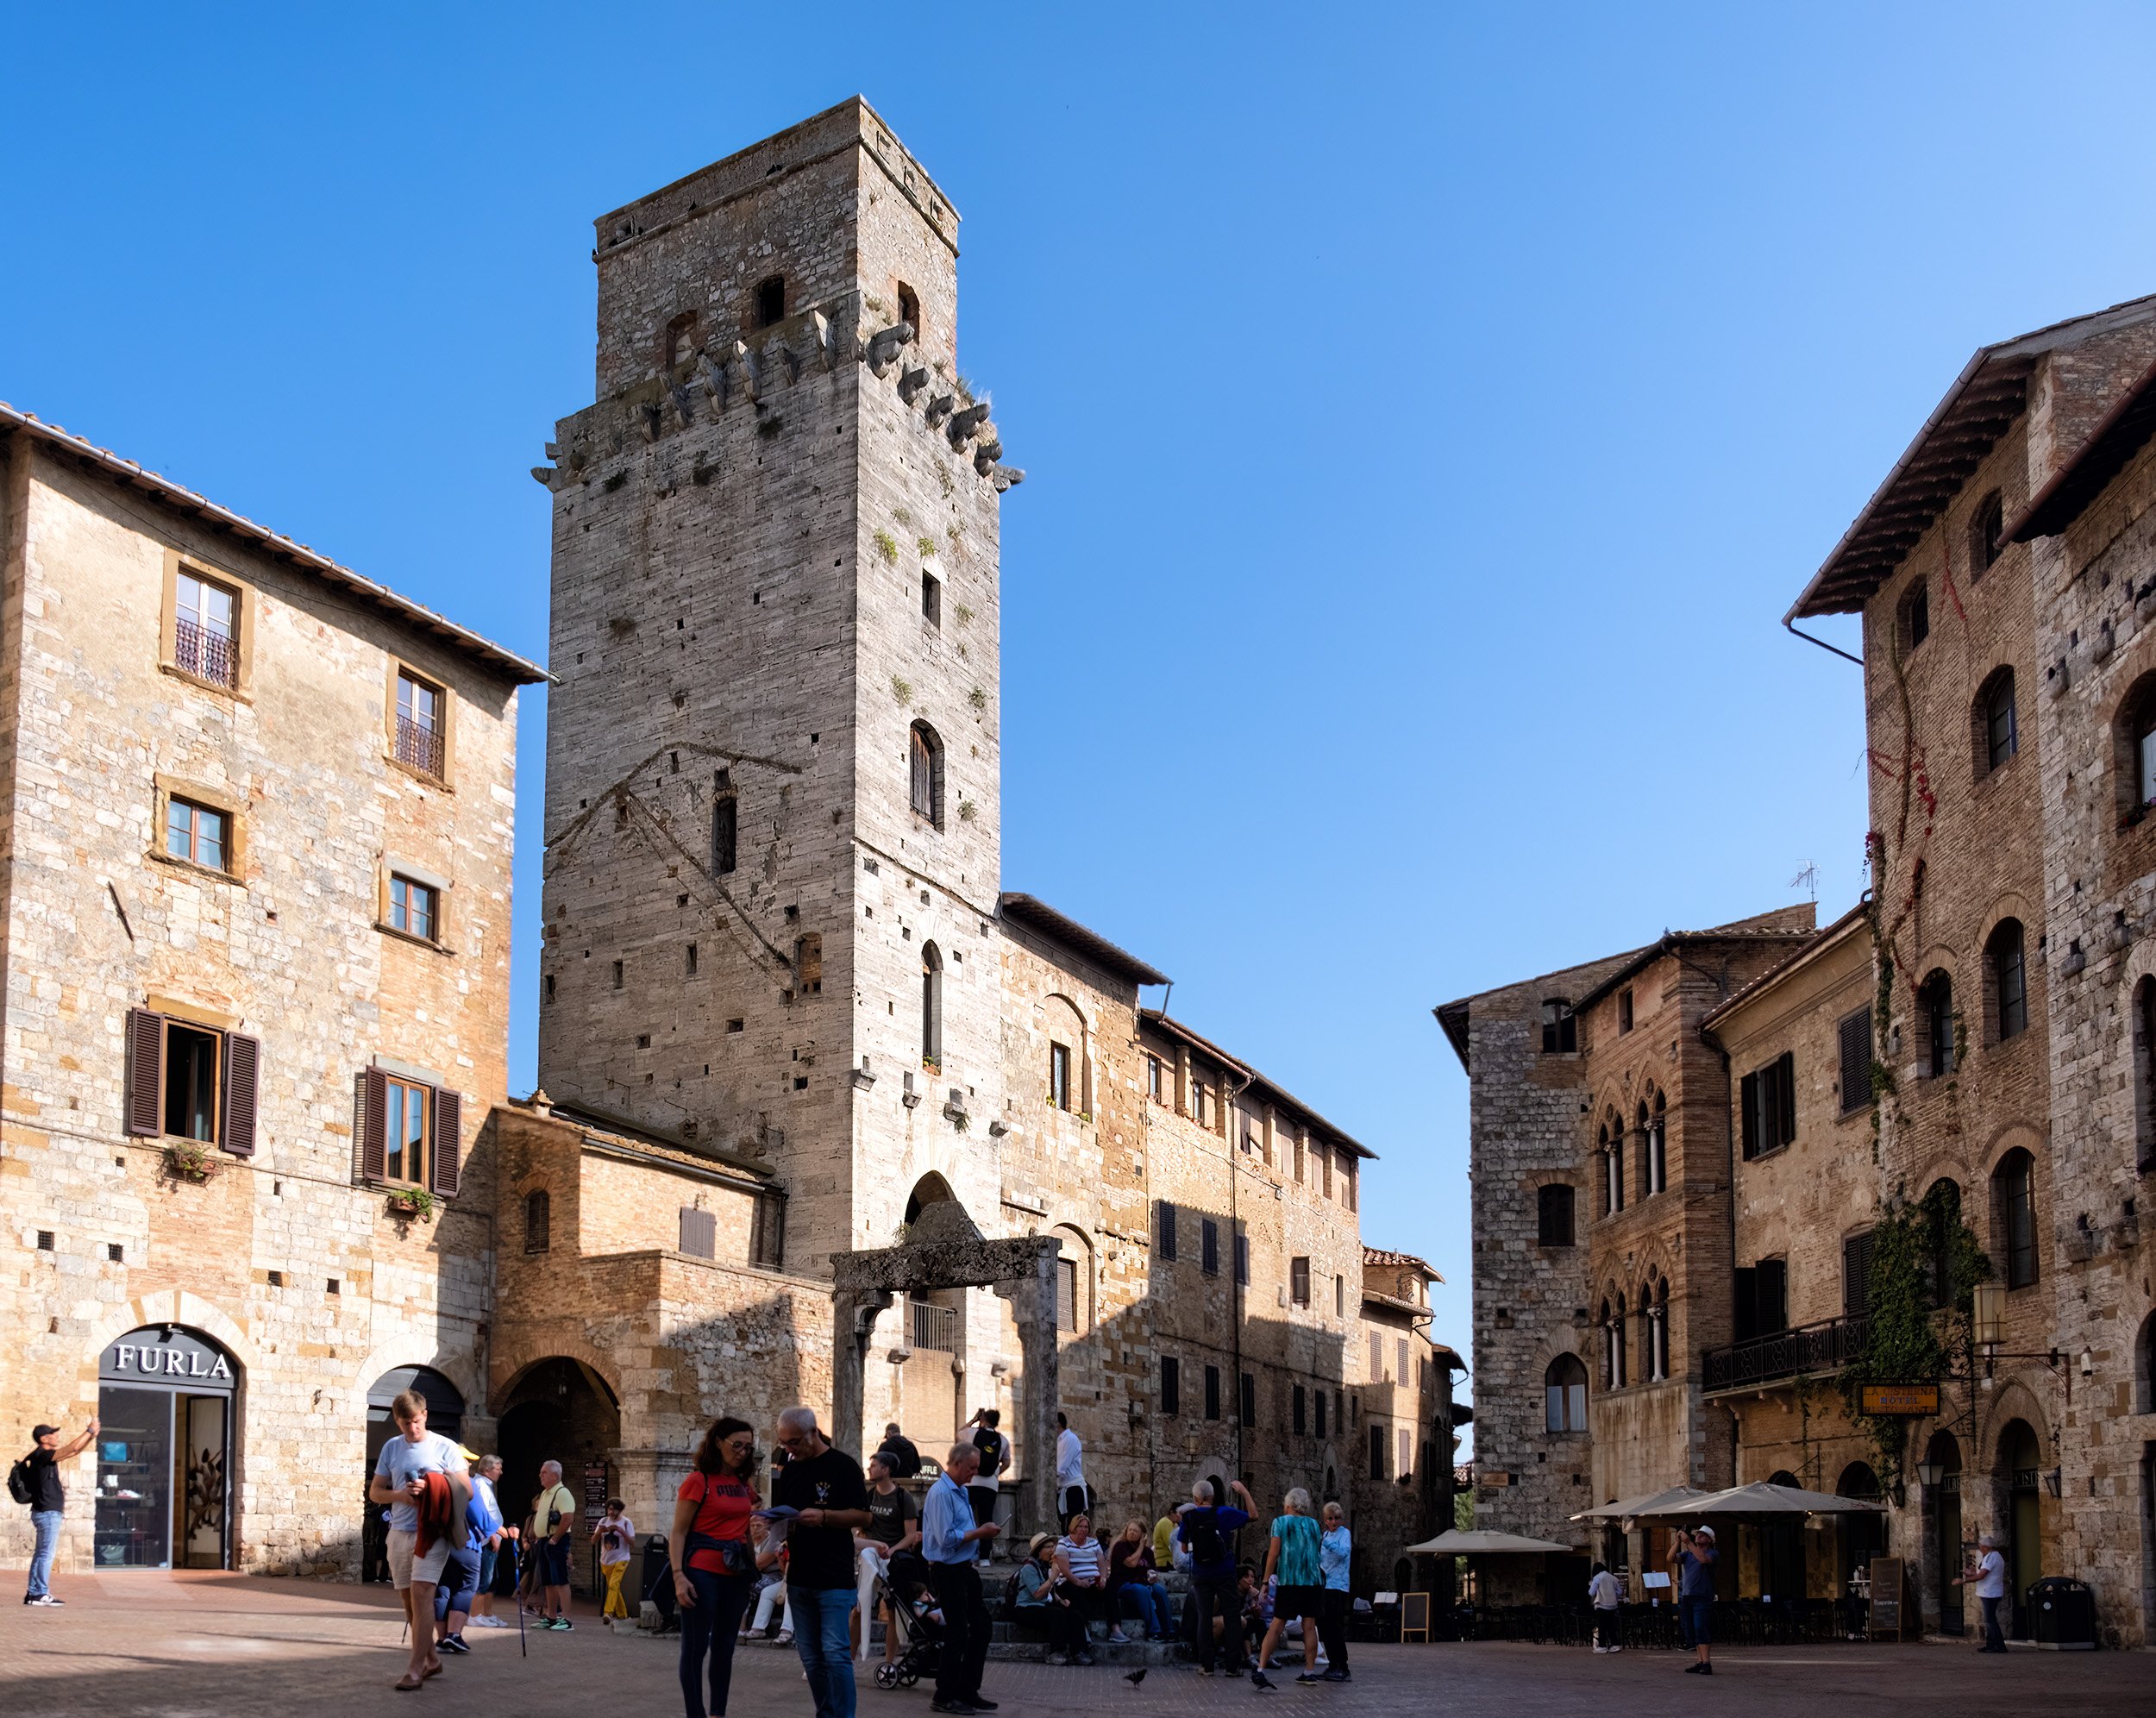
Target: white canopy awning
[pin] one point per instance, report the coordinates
(1676, 1500)
(1456, 1543)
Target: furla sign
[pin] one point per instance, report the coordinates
(156, 1356)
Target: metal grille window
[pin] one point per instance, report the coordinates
(204, 640)
(932, 1327)
(2001, 737)
(699, 1232)
(2009, 977)
(1248, 1402)
(538, 1220)
(421, 741)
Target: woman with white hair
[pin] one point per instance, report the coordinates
(1989, 1572)
(1293, 1555)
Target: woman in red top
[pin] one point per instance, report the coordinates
(713, 1562)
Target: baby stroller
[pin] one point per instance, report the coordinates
(920, 1638)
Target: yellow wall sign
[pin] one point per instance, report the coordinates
(1910, 1399)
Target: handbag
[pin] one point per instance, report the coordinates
(735, 1558)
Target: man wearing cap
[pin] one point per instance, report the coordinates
(48, 1504)
(1692, 1555)
(1989, 1572)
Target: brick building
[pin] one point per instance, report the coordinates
(254, 888)
(1967, 1052)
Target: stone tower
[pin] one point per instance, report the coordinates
(772, 752)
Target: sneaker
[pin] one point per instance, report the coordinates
(1205, 1670)
(1706, 1669)
(453, 1643)
(786, 1637)
(980, 1703)
(1117, 1637)
(1086, 1659)
(1058, 1658)
(563, 1624)
(43, 1600)
(1311, 1676)
(1338, 1676)
(958, 1706)
(1616, 1649)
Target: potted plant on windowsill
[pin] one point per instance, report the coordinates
(190, 1160)
(410, 1201)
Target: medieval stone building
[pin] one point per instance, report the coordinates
(1966, 1057)
(255, 900)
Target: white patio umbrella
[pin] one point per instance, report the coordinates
(1455, 1542)
(1761, 1498)
(1676, 1499)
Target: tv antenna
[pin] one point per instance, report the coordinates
(1807, 878)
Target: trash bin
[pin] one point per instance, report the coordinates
(2062, 1614)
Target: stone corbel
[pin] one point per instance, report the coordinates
(986, 453)
(682, 409)
(819, 332)
(751, 370)
(647, 421)
(543, 474)
(911, 384)
(939, 407)
(963, 423)
(884, 347)
(1006, 477)
(791, 359)
(713, 376)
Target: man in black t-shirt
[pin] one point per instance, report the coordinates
(884, 1546)
(826, 1489)
(905, 1457)
(48, 1504)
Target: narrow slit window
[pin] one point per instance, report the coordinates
(770, 300)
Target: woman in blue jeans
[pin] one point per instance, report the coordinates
(1692, 1555)
(714, 1568)
(1130, 1584)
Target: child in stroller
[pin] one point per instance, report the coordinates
(920, 1625)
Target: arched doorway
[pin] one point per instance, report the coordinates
(445, 1414)
(1864, 1536)
(1942, 1502)
(2021, 1458)
(166, 1443)
(559, 1410)
(1781, 1550)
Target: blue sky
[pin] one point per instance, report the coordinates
(1430, 412)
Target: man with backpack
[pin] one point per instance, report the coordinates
(1207, 1531)
(995, 1456)
(34, 1480)
(900, 1453)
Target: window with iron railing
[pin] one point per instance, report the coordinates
(421, 742)
(203, 641)
(932, 1327)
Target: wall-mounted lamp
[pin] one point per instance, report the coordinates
(1989, 1318)
(2051, 1480)
(1929, 1474)
(2088, 1363)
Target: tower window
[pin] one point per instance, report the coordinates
(1916, 616)
(808, 964)
(725, 824)
(1937, 1002)
(1997, 731)
(2010, 979)
(1553, 1215)
(910, 308)
(1560, 1031)
(1624, 1011)
(931, 599)
(1986, 529)
(680, 339)
(1059, 1075)
(924, 787)
(770, 300)
(538, 1220)
(618, 974)
(932, 1005)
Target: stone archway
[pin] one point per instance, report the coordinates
(944, 1248)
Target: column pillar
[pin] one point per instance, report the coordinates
(1032, 1299)
(853, 1323)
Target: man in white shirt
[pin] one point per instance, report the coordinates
(1070, 1473)
(1989, 1574)
(1604, 1594)
(401, 1479)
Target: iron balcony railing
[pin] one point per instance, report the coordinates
(1806, 1350)
(932, 1327)
(419, 746)
(205, 654)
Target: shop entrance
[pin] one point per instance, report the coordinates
(2019, 1454)
(445, 1414)
(165, 1446)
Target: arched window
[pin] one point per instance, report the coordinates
(931, 1007)
(910, 308)
(1998, 729)
(538, 1220)
(925, 786)
(2144, 1073)
(1658, 1332)
(1564, 1395)
(1987, 527)
(1654, 1169)
(1611, 1137)
(1074, 1281)
(1935, 1005)
(2010, 979)
(1942, 1218)
(1553, 1215)
(1620, 1346)
(2014, 1208)
(770, 300)
(1915, 615)
(2137, 740)
(680, 342)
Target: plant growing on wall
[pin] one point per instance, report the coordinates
(1922, 1254)
(887, 547)
(901, 689)
(926, 545)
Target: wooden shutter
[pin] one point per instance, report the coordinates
(1856, 1274)
(699, 1232)
(1747, 1310)
(1785, 1095)
(1750, 1089)
(374, 1125)
(1171, 1384)
(448, 1141)
(146, 1073)
(242, 1065)
(1856, 1061)
(1166, 1229)
(1774, 1295)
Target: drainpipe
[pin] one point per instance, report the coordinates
(1729, 1172)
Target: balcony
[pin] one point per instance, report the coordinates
(1805, 1352)
(206, 654)
(419, 746)
(931, 1328)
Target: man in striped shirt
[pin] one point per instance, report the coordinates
(1082, 1562)
(948, 1538)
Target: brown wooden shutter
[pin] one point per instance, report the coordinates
(1749, 1090)
(146, 1073)
(1856, 1061)
(448, 1141)
(1786, 1096)
(699, 1232)
(242, 1065)
(375, 1127)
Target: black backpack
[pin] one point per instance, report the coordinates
(1206, 1548)
(20, 1486)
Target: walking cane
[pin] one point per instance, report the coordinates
(516, 1586)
